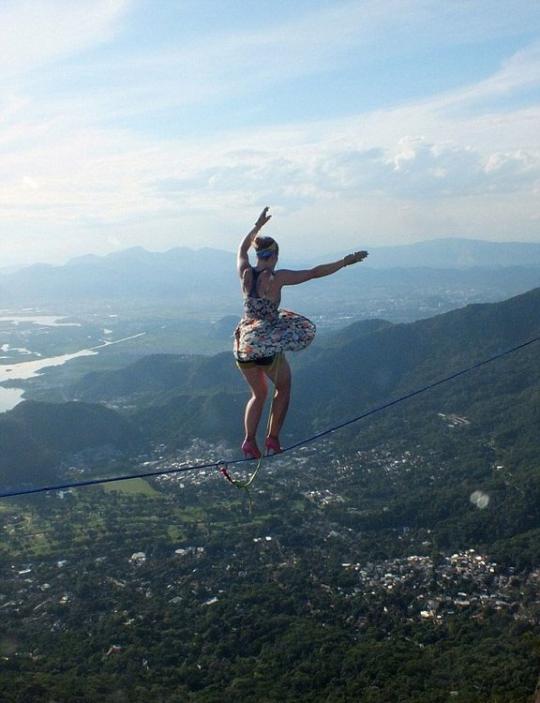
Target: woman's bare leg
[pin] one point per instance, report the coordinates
(280, 375)
(257, 382)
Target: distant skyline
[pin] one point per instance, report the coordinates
(172, 123)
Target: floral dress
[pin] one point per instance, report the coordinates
(264, 330)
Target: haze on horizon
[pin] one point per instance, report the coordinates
(130, 123)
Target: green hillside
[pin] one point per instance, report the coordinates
(36, 438)
(172, 399)
(397, 559)
(366, 364)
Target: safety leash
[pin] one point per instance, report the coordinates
(223, 467)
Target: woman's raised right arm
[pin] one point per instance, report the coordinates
(242, 259)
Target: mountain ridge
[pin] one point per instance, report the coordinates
(189, 279)
(439, 252)
(370, 363)
(487, 328)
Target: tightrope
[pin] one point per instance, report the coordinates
(221, 463)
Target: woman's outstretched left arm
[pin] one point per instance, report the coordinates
(293, 278)
(242, 259)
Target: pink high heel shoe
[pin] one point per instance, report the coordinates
(250, 449)
(272, 446)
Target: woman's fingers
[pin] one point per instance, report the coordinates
(263, 218)
(356, 257)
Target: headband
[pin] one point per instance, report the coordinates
(268, 252)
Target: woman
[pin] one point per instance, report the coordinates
(265, 332)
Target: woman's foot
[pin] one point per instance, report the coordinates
(272, 445)
(250, 449)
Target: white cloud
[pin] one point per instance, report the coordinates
(87, 189)
(70, 182)
(35, 32)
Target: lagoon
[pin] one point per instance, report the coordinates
(10, 397)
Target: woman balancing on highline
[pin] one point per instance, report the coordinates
(265, 332)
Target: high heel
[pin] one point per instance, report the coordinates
(272, 446)
(250, 449)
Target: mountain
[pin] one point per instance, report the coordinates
(369, 368)
(172, 399)
(157, 375)
(363, 365)
(206, 280)
(36, 437)
(456, 253)
(128, 275)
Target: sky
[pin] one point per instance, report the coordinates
(163, 123)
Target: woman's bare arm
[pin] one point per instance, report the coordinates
(242, 259)
(293, 278)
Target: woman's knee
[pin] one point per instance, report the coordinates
(259, 394)
(256, 382)
(259, 388)
(284, 382)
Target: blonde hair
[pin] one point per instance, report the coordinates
(265, 247)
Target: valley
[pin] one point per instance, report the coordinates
(396, 557)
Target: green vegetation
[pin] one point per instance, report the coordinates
(395, 561)
(135, 486)
(312, 597)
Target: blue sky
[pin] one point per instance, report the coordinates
(161, 123)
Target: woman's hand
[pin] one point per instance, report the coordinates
(354, 258)
(263, 219)
(242, 259)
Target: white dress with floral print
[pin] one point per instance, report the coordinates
(265, 330)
